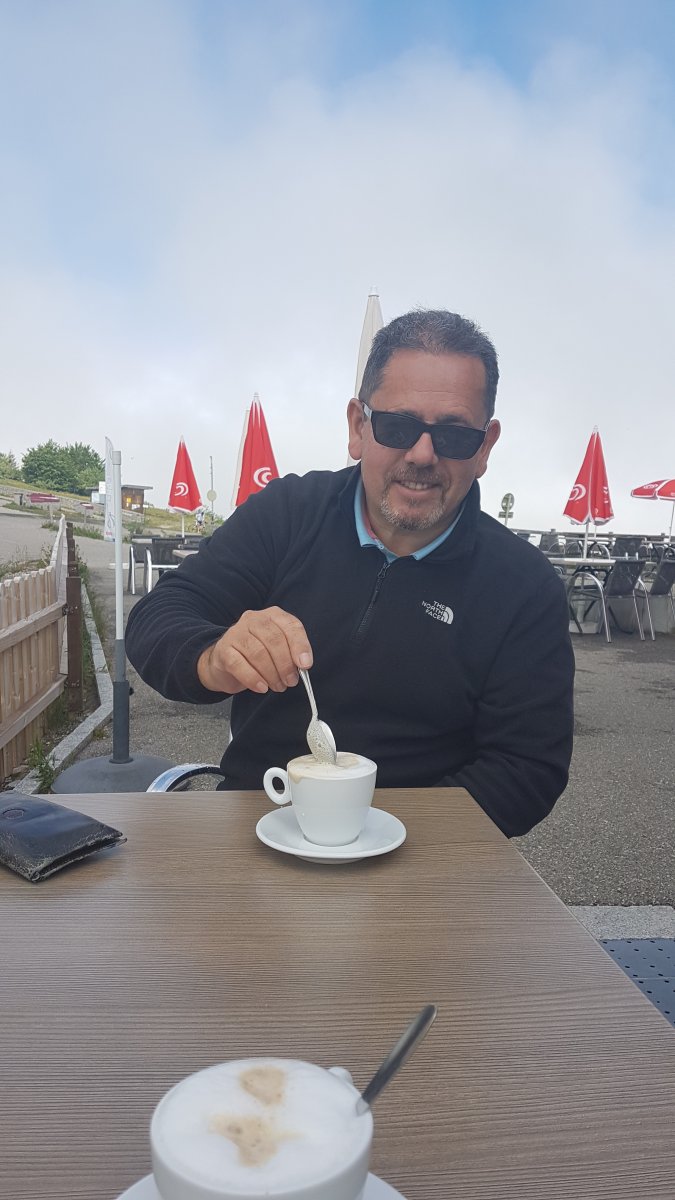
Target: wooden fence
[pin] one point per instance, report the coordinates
(32, 652)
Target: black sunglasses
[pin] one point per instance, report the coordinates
(401, 432)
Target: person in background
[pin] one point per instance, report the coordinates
(438, 642)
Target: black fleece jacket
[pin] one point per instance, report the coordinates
(455, 670)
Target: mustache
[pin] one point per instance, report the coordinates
(411, 475)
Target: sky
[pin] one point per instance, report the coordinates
(198, 195)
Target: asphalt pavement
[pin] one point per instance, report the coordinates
(610, 838)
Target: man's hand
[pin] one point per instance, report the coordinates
(262, 651)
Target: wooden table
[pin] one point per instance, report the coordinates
(547, 1076)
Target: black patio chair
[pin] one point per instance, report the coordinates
(623, 581)
(664, 579)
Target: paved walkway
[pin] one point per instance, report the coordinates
(609, 841)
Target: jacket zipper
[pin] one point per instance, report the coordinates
(365, 620)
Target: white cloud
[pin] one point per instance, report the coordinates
(184, 238)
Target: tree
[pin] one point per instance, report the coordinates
(9, 468)
(75, 468)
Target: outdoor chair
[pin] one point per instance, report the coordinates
(623, 581)
(664, 579)
(177, 779)
(155, 558)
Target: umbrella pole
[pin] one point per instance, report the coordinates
(670, 531)
(182, 525)
(585, 540)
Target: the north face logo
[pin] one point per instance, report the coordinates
(440, 612)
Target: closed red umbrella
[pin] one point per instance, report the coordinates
(184, 494)
(589, 499)
(256, 458)
(658, 489)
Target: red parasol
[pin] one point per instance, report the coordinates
(184, 494)
(256, 459)
(589, 499)
(658, 489)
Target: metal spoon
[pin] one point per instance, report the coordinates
(396, 1057)
(319, 736)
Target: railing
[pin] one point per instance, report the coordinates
(32, 652)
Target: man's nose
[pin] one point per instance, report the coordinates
(422, 453)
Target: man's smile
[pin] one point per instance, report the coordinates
(417, 485)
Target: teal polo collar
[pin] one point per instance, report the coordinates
(368, 539)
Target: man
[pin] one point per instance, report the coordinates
(438, 641)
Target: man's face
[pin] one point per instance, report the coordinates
(413, 495)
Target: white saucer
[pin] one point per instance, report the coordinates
(381, 833)
(375, 1189)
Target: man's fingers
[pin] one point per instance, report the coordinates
(279, 635)
(296, 638)
(245, 673)
(264, 649)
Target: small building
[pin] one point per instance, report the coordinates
(133, 497)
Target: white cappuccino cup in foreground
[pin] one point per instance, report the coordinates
(261, 1127)
(330, 801)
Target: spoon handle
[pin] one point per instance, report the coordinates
(310, 694)
(397, 1056)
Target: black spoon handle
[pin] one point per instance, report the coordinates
(396, 1057)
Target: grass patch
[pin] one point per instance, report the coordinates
(90, 531)
(97, 610)
(171, 522)
(20, 564)
(43, 763)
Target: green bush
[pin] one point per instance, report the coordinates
(72, 468)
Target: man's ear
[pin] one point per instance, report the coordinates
(356, 421)
(492, 436)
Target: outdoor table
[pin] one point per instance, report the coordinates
(181, 554)
(546, 1075)
(576, 563)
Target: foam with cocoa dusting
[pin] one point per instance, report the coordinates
(266, 1084)
(259, 1126)
(257, 1138)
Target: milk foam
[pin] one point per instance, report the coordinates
(348, 766)
(311, 1133)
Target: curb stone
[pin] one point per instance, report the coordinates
(66, 750)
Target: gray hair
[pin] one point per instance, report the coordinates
(433, 331)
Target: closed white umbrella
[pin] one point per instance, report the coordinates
(371, 323)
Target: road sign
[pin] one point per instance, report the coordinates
(211, 495)
(507, 507)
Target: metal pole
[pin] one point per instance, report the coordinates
(211, 461)
(74, 624)
(120, 752)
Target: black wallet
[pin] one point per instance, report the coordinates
(38, 837)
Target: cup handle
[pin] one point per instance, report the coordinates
(342, 1074)
(268, 784)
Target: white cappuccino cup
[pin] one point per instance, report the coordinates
(330, 802)
(258, 1128)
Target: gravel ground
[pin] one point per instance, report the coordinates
(610, 838)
